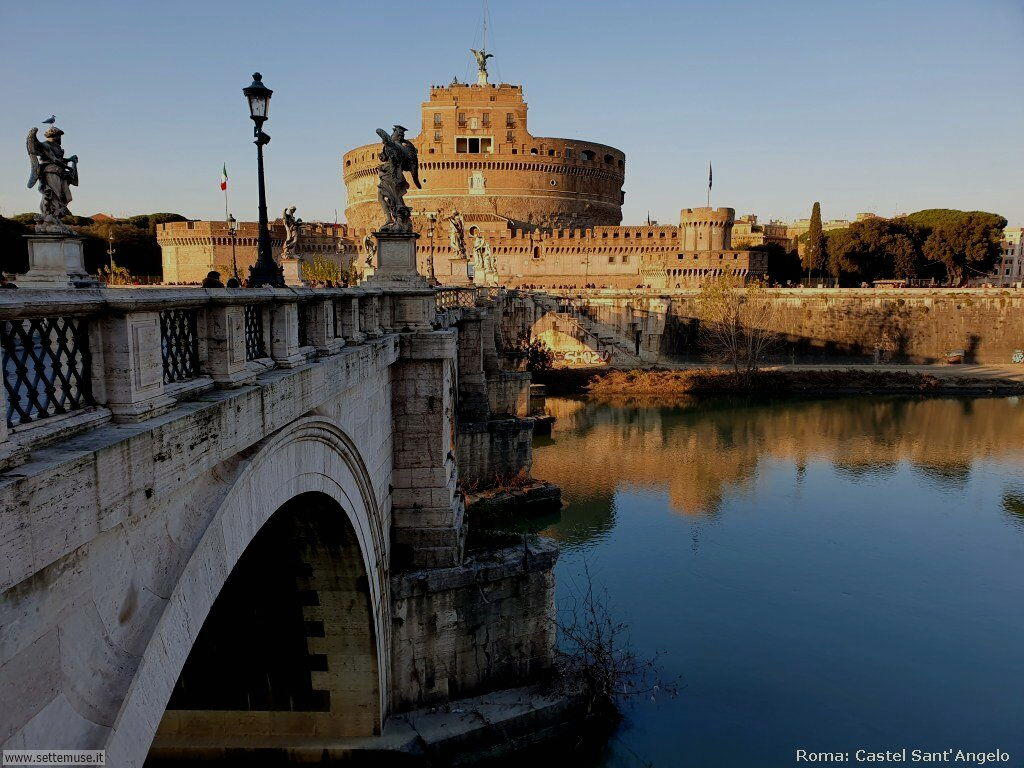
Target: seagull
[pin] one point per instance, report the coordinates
(50, 120)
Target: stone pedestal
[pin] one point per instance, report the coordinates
(291, 266)
(55, 260)
(396, 259)
(461, 272)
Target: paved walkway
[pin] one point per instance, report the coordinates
(1014, 373)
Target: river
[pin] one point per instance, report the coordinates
(826, 575)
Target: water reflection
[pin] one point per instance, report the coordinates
(703, 452)
(831, 575)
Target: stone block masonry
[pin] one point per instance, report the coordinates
(122, 521)
(486, 624)
(862, 325)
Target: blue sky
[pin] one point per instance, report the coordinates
(865, 106)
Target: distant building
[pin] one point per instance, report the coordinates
(1010, 268)
(191, 249)
(746, 232)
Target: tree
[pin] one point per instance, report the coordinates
(965, 243)
(319, 270)
(783, 266)
(738, 325)
(814, 252)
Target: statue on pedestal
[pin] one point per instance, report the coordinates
(292, 230)
(457, 234)
(481, 57)
(370, 249)
(479, 251)
(54, 174)
(398, 157)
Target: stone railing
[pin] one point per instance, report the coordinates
(77, 358)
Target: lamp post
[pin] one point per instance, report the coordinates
(265, 271)
(432, 218)
(111, 250)
(233, 229)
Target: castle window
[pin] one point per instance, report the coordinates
(437, 135)
(611, 259)
(487, 119)
(473, 145)
(551, 153)
(609, 159)
(515, 151)
(462, 119)
(509, 137)
(510, 120)
(625, 258)
(568, 152)
(437, 119)
(533, 151)
(474, 123)
(348, 163)
(621, 164)
(536, 252)
(588, 155)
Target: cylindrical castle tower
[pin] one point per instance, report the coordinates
(707, 229)
(476, 155)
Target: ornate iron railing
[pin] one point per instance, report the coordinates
(254, 345)
(453, 298)
(179, 344)
(47, 367)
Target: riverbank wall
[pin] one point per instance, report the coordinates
(820, 325)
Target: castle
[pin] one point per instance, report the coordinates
(546, 211)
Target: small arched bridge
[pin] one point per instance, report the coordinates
(233, 518)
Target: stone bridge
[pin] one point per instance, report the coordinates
(235, 518)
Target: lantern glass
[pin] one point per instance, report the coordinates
(258, 96)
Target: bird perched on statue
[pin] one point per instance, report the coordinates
(50, 120)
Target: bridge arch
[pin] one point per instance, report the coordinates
(312, 458)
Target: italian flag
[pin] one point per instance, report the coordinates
(224, 178)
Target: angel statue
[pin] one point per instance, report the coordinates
(292, 228)
(481, 57)
(370, 249)
(398, 156)
(479, 251)
(54, 174)
(457, 234)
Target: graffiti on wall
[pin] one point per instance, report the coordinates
(581, 357)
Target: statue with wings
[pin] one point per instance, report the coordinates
(398, 156)
(54, 174)
(481, 57)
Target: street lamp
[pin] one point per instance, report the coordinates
(265, 271)
(111, 250)
(233, 229)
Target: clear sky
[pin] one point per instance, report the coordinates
(866, 106)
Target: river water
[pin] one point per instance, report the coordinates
(831, 575)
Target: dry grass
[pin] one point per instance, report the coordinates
(508, 483)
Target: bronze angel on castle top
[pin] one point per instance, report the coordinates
(54, 173)
(398, 156)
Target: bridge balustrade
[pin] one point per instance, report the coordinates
(78, 358)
